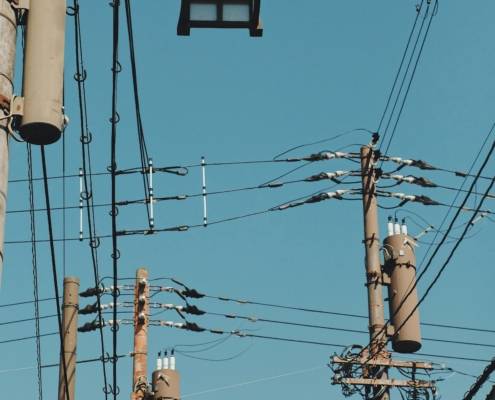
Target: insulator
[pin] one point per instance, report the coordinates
(89, 309)
(91, 292)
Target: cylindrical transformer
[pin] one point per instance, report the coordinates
(166, 384)
(43, 78)
(400, 265)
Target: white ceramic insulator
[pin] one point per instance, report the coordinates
(172, 363)
(390, 227)
(396, 227)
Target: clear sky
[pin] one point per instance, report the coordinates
(321, 68)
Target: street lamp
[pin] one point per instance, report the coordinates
(220, 14)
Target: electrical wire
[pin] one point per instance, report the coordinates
(20, 303)
(433, 13)
(144, 158)
(85, 139)
(113, 165)
(316, 311)
(35, 275)
(21, 339)
(242, 334)
(406, 50)
(254, 381)
(54, 271)
(480, 381)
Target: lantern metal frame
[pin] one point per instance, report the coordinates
(253, 24)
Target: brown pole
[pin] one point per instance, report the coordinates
(140, 372)
(70, 310)
(8, 29)
(378, 338)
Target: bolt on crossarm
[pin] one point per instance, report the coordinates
(378, 338)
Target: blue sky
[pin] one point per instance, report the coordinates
(320, 69)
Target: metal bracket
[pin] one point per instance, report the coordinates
(17, 106)
(4, 103)
(390, 330)
(20, 4)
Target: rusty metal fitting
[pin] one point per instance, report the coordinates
(4, 103)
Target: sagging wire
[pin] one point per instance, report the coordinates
(86, 173)
(35, 272)
(404, 99)
(144, 157)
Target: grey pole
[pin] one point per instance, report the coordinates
(8, 30)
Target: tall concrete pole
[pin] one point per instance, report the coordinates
(70, 310)
(372, 244)
(8, 30)
(141, 310)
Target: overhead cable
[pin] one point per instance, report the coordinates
(54, 272)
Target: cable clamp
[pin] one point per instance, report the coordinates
(20, 4)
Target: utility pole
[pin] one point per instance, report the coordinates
(141, 310)
(8, 30)
(356, 368)
(378, 337)
(70, 310)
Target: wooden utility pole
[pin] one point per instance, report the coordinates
(378, 337)
(141, 310)
(70, 310)
(8, 29)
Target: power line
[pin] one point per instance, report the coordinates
(480, 381)
(406, 50)
(85, 139)
(144, 158)
(433, 13)
(21, 339)
(54, 271)
(35, 272)
(20, 303)
(196, 328)
(332, 328)
(113, 165)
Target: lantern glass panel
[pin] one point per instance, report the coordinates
(236, 12)
(203, 12)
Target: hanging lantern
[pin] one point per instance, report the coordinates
(220, 14)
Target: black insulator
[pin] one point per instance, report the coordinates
(89, 326)
(427, 201)
(375, 137)
(89, 309)
(193, 310)
(192, 293)
(191, 326)
(91, 292)
(317, 198)
(424, 182)
(422, 165)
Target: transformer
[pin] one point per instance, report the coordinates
(400, 266)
